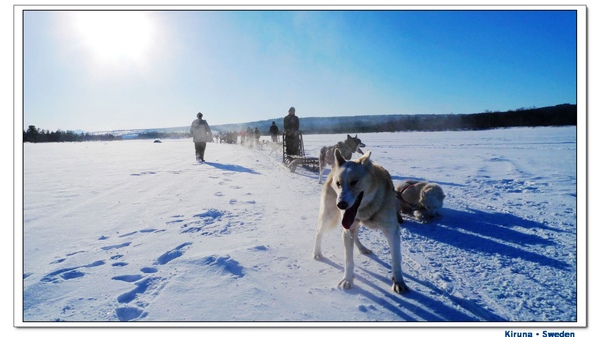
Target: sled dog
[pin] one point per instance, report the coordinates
(275, 147)
(347, 148)
(420, 198)
(360, 192)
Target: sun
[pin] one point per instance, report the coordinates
(116, 36)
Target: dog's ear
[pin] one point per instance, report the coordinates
(349, 137)
(339, 159)
(365, 159)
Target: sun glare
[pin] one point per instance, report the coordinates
(113, 36)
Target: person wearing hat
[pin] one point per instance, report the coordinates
(201, 134)
(291, 126)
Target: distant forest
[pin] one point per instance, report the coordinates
(559, 115)
(35, 135)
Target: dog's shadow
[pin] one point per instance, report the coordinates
(490, 234)
(415, 302)
(404, 305)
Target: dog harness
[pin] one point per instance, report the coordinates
(399, 196)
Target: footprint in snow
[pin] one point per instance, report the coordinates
(172, 254)
(119, 263)
(128, 278)
(211, 216)
(235, 201)
(126, 314)
(148, 270)
(69, 273)
(224, 265)
(125, 244)
(127, 234)
(144, 285)
(142, 173)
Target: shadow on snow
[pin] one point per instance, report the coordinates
(491, 234)
(232, 167)
(472, 231)
(404, 306)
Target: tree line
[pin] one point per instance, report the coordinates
(559, 115)
(36, 135)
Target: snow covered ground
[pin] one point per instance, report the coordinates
(138, 231)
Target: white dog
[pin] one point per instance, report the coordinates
(421, 198)
(275, 147)
(360, 192)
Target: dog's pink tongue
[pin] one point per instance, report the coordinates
(350, 213)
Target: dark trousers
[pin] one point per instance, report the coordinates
(292, 145)
(200, 148)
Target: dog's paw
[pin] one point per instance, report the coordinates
(345, 284)
(318, 256)
(399, 287)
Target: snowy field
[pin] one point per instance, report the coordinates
(133, 230)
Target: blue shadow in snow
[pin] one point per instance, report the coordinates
(490, 234)
(403, 305)
(440, 312)
(231, 167)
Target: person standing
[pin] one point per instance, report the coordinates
(201, 134)
(256, 136)
(291, 126)
(274, 131)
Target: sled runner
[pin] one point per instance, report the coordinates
(293, 154)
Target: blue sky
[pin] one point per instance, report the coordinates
(110, 70)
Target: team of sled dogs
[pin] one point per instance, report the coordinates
(360, 192)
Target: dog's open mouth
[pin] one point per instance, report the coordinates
(350, 213)
(359, 150)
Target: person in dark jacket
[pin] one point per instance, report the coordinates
(291, 126)
(274, 131)
(201, 134)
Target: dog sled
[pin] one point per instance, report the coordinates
(294, 156)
